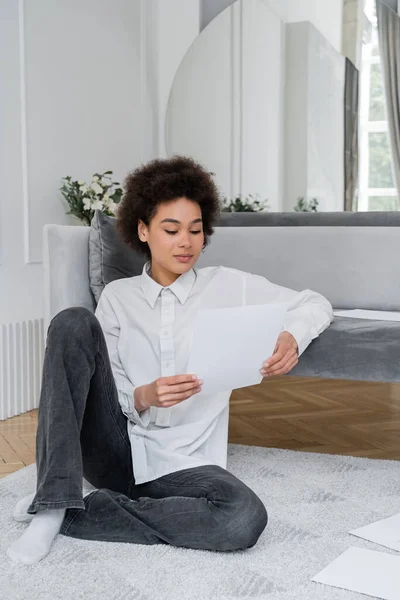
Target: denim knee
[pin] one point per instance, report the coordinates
(257, 518)
(73, 328)
(68, 316)
(73, 321)
(253, 521)
(246, 519)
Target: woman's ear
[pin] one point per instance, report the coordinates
(142, 231)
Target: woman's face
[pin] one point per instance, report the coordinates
(175, 237)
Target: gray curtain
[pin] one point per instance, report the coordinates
(389, 47)
(350, 135)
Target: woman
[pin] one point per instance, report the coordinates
(116, 405)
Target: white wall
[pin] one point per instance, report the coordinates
(209, 9)
(314, 143)
(326, 124)
(87, 90)
(226, 105)
(178, 25)
(296, 114)
(325, 15)
(85, 94)
(200, 110)
(73, 104)
(262, 102)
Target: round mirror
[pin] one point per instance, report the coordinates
(260, 103)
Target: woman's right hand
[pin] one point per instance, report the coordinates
(166, 391)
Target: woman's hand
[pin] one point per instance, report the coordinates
(284, 358)
(166, 391)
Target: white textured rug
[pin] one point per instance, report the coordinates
(313, 500)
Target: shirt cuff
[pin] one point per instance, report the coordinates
(127, 403)
(300, 333)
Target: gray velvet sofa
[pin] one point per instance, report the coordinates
(351, 258)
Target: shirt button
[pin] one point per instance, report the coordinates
(166, 312)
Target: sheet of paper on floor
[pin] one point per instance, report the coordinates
(230, 345)
(374, 315)
(365, 571)
(385, 532)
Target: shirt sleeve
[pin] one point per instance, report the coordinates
(110, 325)
(308, 313)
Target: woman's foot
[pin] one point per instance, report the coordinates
(20, 513)
(35, 543)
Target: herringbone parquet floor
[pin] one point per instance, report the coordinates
(319, 415)
(17, 442)
(312, 415)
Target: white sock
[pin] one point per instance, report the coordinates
(19, 513)
(36, 541)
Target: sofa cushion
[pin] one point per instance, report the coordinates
(354, 349)
(109, 257)
(353, 267)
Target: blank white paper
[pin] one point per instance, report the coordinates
(374, 315)
(230, 345)
(365, 571)
(385, 532)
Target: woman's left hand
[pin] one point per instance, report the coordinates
(284, 358)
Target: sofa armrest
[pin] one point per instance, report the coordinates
(66, 269)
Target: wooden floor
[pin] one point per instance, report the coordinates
(312, 415)
(17, 442)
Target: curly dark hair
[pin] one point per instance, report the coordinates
(162, 180)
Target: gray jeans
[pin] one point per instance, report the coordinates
(83, 432)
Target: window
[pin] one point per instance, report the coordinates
(376, 190)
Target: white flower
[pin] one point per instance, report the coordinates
(106, 180)
(87, 203)
(97, 205)
(112, 207)
(106, 199)
(84, 188)
(80, 182)
(96, 188)
(95, 178)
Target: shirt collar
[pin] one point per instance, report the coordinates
(181, 287)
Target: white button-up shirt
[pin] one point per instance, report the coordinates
(147, 328)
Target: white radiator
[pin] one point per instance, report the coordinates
(21, 361)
